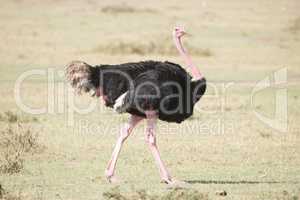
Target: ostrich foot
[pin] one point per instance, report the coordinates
(174, 183)
(166, 180)
(111, 178)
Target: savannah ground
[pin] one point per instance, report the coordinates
(223, 147)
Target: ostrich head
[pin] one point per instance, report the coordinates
(82, 77)
(179, 32)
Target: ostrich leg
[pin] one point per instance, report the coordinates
(151, 140)
(124, 133)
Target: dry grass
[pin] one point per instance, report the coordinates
(157, 47)
(180, 194)
(283, 195)
(15, 142)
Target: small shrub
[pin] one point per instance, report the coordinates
(15, 142)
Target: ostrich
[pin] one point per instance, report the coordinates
(149, 90)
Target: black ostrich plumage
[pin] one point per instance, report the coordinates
(149, 85)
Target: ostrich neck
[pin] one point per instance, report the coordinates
(192, 67)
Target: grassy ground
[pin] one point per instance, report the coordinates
(223, 147)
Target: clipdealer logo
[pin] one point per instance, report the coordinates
(277, 81)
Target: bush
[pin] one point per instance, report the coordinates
(15, 142)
